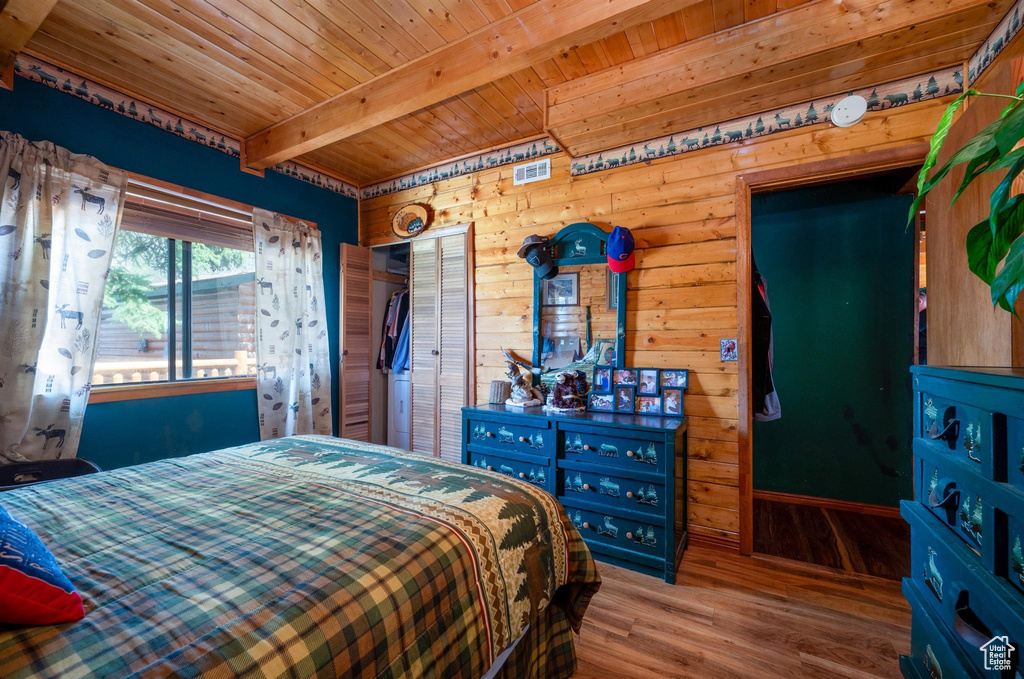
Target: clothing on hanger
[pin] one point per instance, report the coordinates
(400, 362)
(396, 318)
(765, 400)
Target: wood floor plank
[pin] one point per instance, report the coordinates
(734, 616)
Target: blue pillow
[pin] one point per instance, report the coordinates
(33, 590)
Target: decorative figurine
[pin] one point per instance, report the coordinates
(524, 394)
(566, 396)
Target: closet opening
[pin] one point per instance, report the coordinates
(390, 332)
(836, 322)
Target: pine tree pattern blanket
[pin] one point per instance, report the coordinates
(299, 557)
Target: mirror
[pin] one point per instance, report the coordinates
(579, 316)
(577, 313)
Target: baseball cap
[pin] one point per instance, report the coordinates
(620, 250)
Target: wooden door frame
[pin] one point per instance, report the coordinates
(791, 176)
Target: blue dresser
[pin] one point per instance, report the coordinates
(966, 588)
(621, 478)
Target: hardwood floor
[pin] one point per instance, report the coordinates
(848, 541)
(734, 616)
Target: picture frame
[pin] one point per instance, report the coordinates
(562, 290)
(626, 376)
(612, 292)
(648, 382)
(625, 399)
(602, 382)
(672, 402)
(648, 405)
(604, 403)
(675, 378)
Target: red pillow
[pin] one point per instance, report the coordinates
(33, 590)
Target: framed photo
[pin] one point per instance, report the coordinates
(648, 405)
(612, 294)
(672, 401)
(562, 290)
(602, 402)
(624, 399)
(675, 378)
(648, 382)
(624, 376)
(603, 379)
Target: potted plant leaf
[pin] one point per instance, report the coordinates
(998, 237)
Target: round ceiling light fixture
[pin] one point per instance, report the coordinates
(849, 111)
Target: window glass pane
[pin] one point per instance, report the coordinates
(132, 338)
(223, 311)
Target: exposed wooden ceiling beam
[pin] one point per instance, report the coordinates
(19, 19)
(817, 49)
(537, 32)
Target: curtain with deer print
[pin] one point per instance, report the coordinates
(59, 213)
(294, 376)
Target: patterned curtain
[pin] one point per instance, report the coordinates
(294, 373)
(59, 214)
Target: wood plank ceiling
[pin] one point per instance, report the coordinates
(242, 65)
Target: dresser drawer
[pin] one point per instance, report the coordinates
(611, 491)
(611, 450)
(933, 653)
(952, 499)
(959, 594)
(958, 430)
(534, 469)
(528, 437)
(643, 538)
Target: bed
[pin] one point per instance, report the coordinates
(305, 556)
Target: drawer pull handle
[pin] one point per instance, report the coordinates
(490, 435)
(522, 439)
(490, 468)
(586, 524)
(951, 432)
(586, 446)
(630, 453)
(522, 475)
(950, 491)
(586, 486)
(629, 536)
(967, 625)
(629, 494)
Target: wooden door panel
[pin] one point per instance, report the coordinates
(423, 347)
(354, 381)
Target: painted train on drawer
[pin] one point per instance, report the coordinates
(621, 478)
(966, 588)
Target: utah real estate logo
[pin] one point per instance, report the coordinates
(997, 653)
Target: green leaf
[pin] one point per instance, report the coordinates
(984, 249)
(1002, 194)
(978, 165)
(933, 153)
(1010, 281)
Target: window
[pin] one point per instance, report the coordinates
(180, 300)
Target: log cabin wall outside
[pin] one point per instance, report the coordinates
(682, 295)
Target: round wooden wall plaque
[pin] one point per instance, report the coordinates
(409, 221)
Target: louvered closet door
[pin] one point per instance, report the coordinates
(423, 347)
(452, 365)
(354, 382)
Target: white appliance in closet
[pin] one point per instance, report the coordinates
(398, 409)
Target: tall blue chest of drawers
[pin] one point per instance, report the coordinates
(621, 478)
(966, 588)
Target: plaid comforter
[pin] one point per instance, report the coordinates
(305, 556)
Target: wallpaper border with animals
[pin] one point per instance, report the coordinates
(999, 38)
(60, 79)
(904, 92)
(516, 153)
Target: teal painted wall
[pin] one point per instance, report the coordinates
(118, 434)
(839, 262)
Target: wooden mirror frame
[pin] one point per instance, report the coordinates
(568, 237)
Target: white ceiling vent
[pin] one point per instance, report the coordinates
(532, 172)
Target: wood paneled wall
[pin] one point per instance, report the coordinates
(963, 326)
(682, 295)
